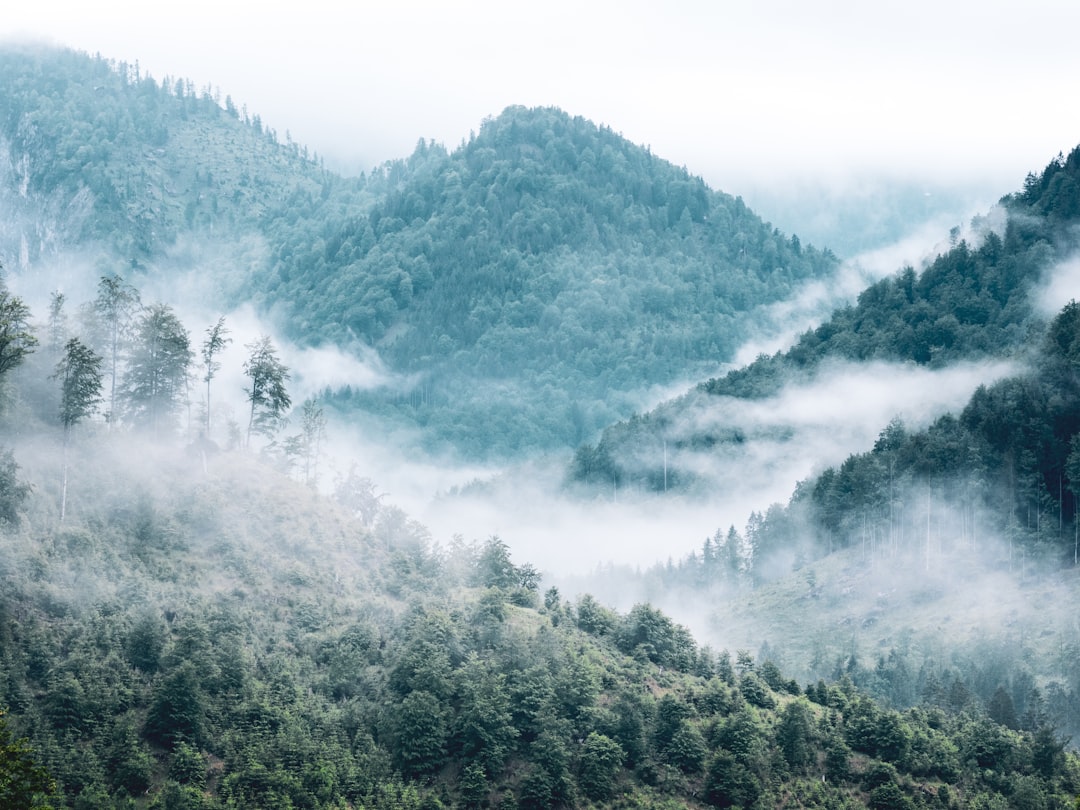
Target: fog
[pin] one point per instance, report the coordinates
(779, 324)
(775, 92)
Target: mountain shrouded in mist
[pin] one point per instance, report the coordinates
(520, 291)
(191, 625)
(538, 277)
(974, 302)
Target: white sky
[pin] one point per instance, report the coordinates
(746, 92)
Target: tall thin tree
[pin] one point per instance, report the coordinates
(217, 338)
(79, 372)
(268, 396)
(116, 305)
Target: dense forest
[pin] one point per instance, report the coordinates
(194, 615)
(878, 543)
(522, 290)
(190, 628)
(972, 302)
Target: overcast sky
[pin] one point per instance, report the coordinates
(777, 91)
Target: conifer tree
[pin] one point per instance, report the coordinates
(115, 307)
(157, 374)
(79, 372)
(217, 338)
(267, 394)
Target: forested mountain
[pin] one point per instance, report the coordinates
(522, 290)
(187, 623)
(203, 632)
(938, 566)
(538, 277)
(99, 158)
(972, 302)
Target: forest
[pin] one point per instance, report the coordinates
(197, 611)
(522, 288)
(201, 630)
(973, 302)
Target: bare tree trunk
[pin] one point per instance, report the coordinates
(63, 487)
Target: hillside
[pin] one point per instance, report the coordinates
(537, 279)
(97, 158)
(520, 291)
(971, 303)
(937, 565)
(208, 634)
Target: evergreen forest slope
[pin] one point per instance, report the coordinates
(520, 291)
(973, 302)
(939, 565)
(206, 633)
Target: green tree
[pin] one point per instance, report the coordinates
(176, 708)
(23, 782)
(485, 731)
(1001, 709)
(115, 308)
(473, 784)
(267, 393)
(493, 566)
(794, 735)
(420, 731)
(57, 327)
(312, 435)
(729, 783)
(601, 758)
(13, 492)
(79, 372)
(157, 372)
(16, 336)
(217, 338)
(1072, 472)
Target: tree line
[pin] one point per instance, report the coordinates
(136, 366)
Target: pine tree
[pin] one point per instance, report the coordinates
(216, 340)
(268, 397)
(157, 373)
(115, 307)
(79, 372)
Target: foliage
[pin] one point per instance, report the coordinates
(13, 490)
(155, 382)
(267, 394)
(217, 338)
(24, 783)
(973, 301)
(79, 372)
(217, 636)
(17, 339)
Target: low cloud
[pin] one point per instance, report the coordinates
(1061, 285)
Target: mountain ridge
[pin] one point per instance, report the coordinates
(472, 272)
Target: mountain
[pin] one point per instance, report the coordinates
(536, 280)
(517, 293)
(203, 632)
(972, 303)
(938, 565)
(98, 158)
(186, 626)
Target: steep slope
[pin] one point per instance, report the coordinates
(521, 291)
(940, 564)
(96, 156)
(973, 302)
(534, 281)
(211, 635)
